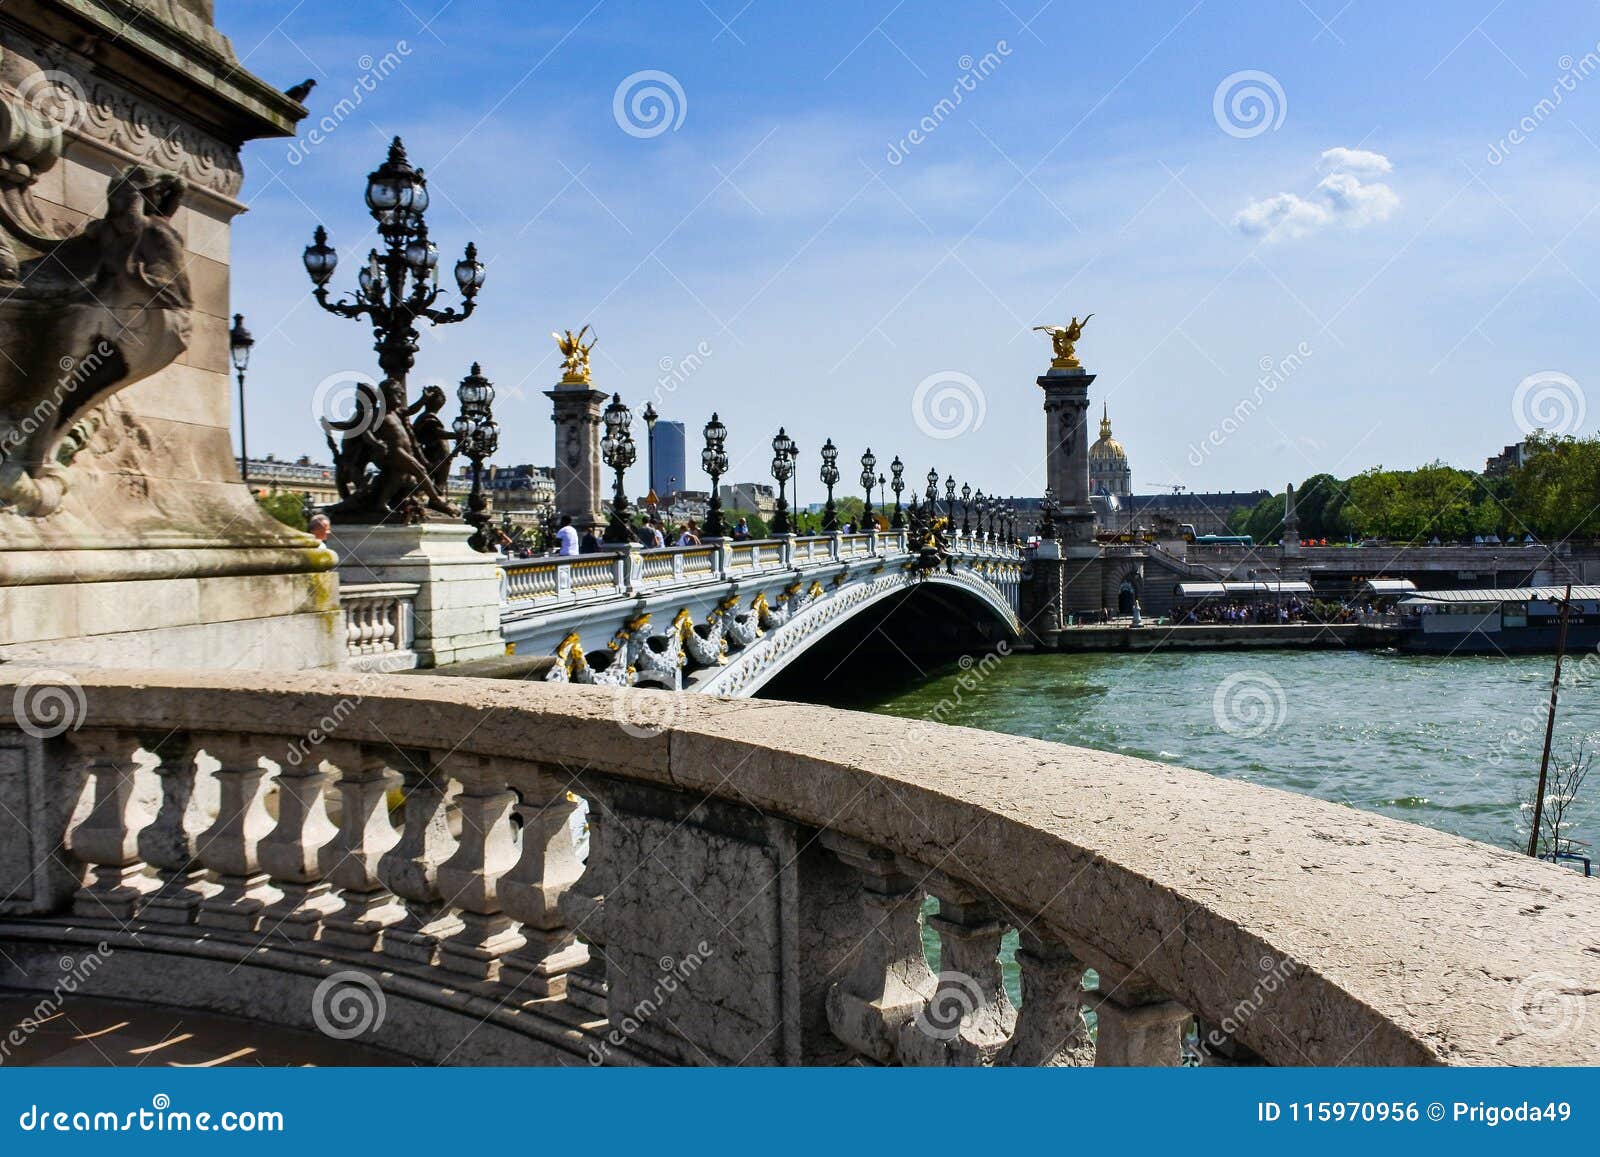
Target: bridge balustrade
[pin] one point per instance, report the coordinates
(627, 572)
(379, 625)
(753, 884)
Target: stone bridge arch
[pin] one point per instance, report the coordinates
(936, 614)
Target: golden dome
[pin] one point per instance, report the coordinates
(1107, 447)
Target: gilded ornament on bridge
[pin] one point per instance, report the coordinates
(574, 356)
(1063, 340)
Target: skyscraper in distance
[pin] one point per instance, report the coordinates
(667, 473)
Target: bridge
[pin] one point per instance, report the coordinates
(726, 617)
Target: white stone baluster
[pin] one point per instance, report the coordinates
(544, 875)
(969, 1018)
(890, 983)
(106, 837)
(583, 907)
(1137, 1023)
(350, 861)
(293, 852)
(411, 867)
(470, 878)
(230, 846)
(169, 843)
(1051, 1027)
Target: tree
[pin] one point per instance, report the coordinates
(758, 525)
(1554, 490)
(1562, 787)
(287, 507)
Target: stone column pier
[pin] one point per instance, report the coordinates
(579, 489)
(1066, 407)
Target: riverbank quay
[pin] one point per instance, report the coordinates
(1124, 636)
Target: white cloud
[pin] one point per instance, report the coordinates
(1358, 161)
(1340, 198)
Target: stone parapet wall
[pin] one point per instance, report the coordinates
(751, 884)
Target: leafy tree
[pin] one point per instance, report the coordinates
(1556, 489)
(286, 506)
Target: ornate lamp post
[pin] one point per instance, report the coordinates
(966, 510)
(714, 461)
(830, 479)
(898, 469)
(869, 475)
(478, 438)
(396, 289)
(782, 468)
(650, 417)
(883, 502)
(239, 343)
(950, 505)
(931, 497)
(982, 505)
(618, 450)
(794, 474)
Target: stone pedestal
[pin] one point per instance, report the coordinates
(457, 608)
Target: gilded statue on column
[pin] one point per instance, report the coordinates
(574, 355)
(1063, 340)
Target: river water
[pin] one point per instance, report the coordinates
(1452, 743)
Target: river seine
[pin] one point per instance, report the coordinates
(1452, 743)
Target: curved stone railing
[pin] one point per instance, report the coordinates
(755, 885)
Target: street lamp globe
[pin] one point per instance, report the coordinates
(469, 272)
(239, 343)
(320, 258)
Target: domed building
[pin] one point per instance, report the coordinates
(1108, 463)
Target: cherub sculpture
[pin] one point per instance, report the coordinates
(1063, 339)
(574, 354)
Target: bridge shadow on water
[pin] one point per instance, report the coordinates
(890, 648)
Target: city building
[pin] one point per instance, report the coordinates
(668, 473)
(1109, 472)
(757, 496)
(273, 474)
(526, 493)
(1506, 461)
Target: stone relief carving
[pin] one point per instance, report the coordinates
(49, 85)
(94, 313)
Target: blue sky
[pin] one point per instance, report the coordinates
(1368, 218)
